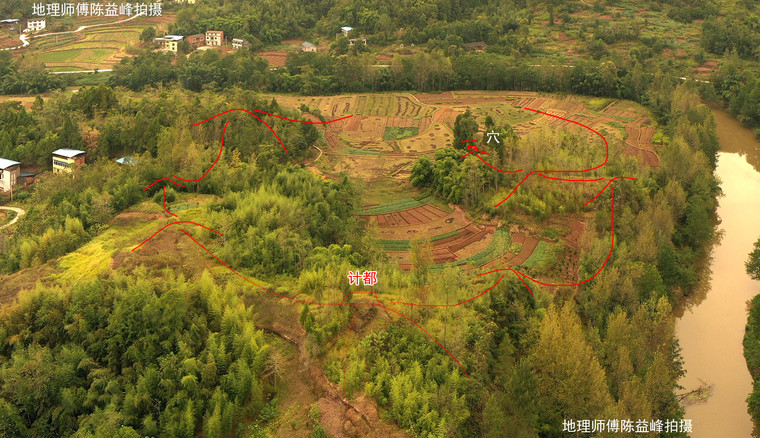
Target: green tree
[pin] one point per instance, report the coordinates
(465, 126)
(148, 34)
(753, 262)
(571, 382)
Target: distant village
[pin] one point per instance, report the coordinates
(216, 38)
(23, 26)
(211, 39)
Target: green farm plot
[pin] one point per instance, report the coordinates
(399, 132)
(67, 68)
(542, 256)
(88, 79)
(405, 245)
(95, 45)
(179, 206)
(598, 103)
(74, 55)
(498, 246)
(126, 36)
(54, 42)
(402, 204)
(353, 151)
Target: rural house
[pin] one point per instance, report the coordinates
(197, 40)
(308, 47)
(171, 42)
(9, 23)
(346, 30)
(9, 174)
(478, 46)
(239, 42)
(353, 40)
(64, 159)
(35, 24)
(214, 37)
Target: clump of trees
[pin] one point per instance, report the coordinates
(132, 356)
(25, 77)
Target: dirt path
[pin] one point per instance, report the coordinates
(19, 212)
(307, 384)
(318, 156)
(25, 38)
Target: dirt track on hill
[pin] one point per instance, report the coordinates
(306, 382)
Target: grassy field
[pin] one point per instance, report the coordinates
(398, 132)
(90, 56)
(95, 48)
(541, 257)
(355, 151)
(402, 204)
(405, 245)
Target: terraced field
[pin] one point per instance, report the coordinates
(389, 132)
(94, 48)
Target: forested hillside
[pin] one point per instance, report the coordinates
(101, 335)
(284, 224)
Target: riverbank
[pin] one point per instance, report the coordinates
(711, 329)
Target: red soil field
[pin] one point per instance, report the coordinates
(275, 58)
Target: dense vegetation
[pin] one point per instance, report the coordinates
(25, 76)
(66, 212)
(131, 356)
(148, 353)
(752, 337)
(519, 346)
(188, 361)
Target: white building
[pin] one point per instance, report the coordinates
(346, 30)
(35, 24)
(170, 42)
(9, 174)
(239, 42)
(214, 37)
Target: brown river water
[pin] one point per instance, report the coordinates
(712, 326)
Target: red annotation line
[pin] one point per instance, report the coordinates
(164, 190)
(474, 151)
(162, 179)
(590, 180)
(273, 115)
(295, 300)
(606, 148)
(373, 294)
(176, 222)
(605, 187)
(225, 128)
(212, 164)
(451, 305)
(612, 245)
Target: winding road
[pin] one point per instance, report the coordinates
(19, 212)
(25, 37)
